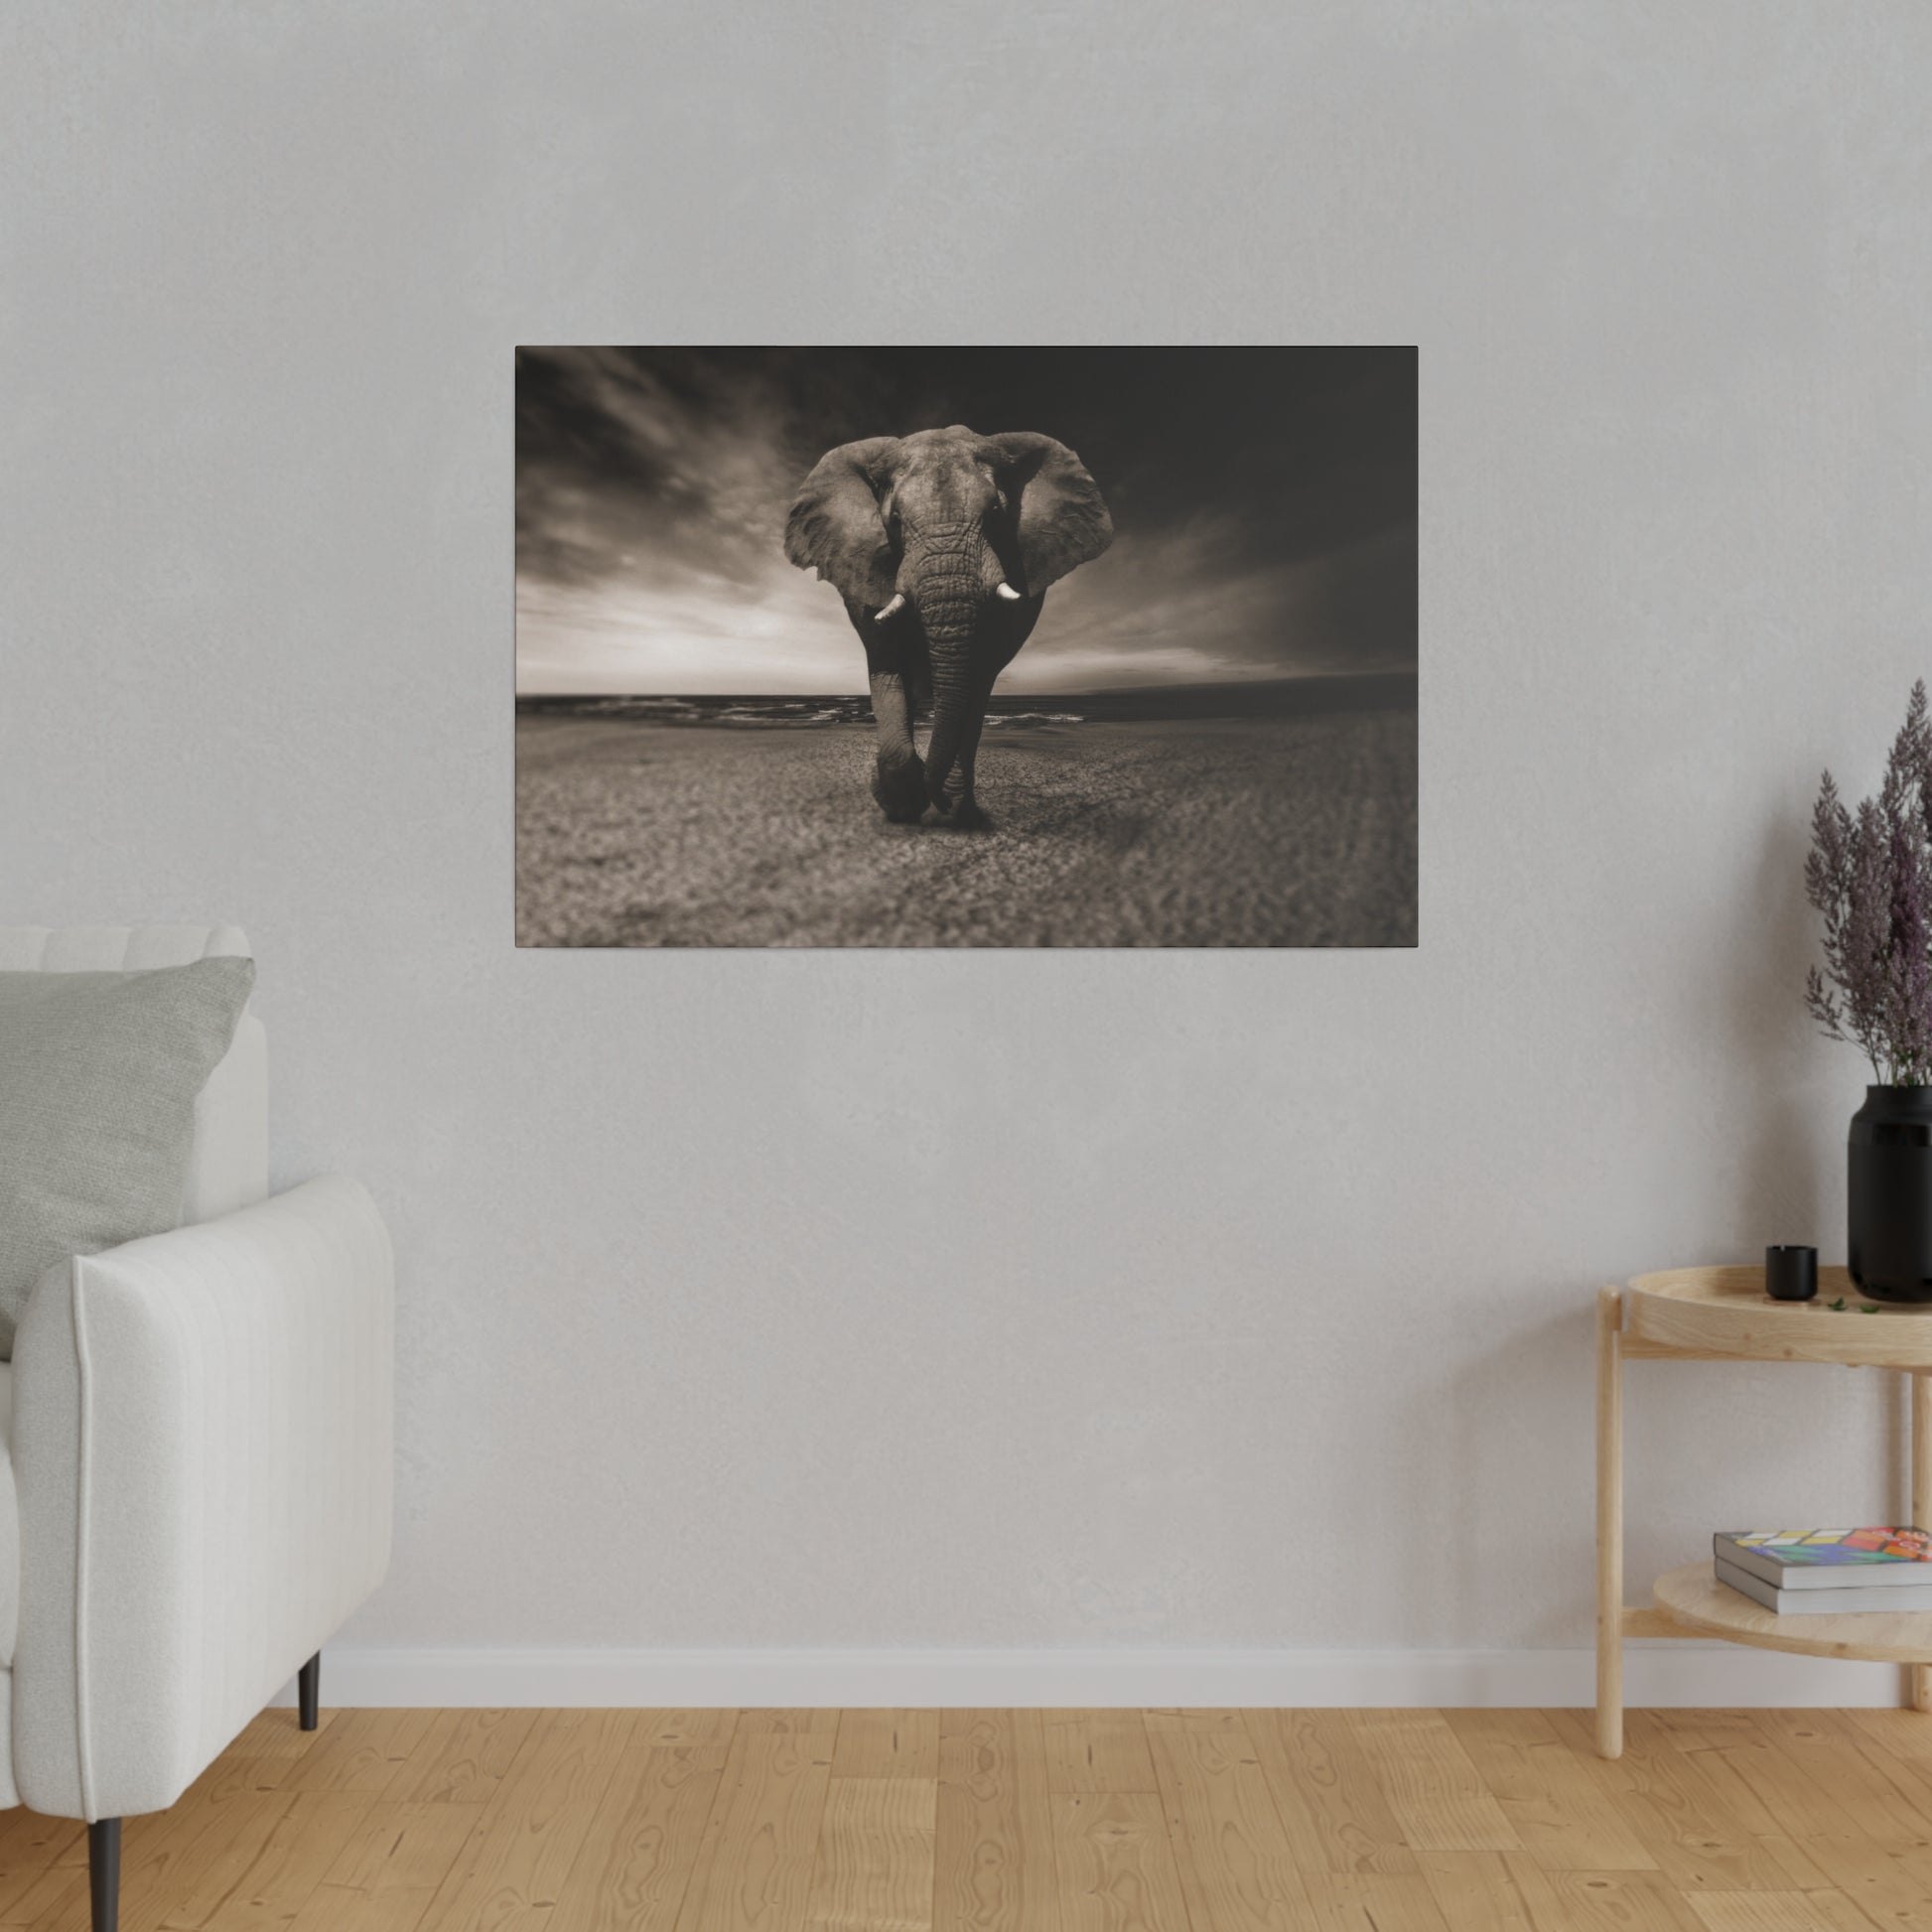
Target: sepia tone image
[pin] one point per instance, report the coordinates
(966, 646)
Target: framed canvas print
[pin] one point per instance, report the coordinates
(966, 646)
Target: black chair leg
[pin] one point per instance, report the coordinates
(104, 1837)
(308, 1688)
(105, 1872)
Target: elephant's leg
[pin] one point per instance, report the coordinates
(962, 809)
(898, 780)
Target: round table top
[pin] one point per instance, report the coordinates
(1694, 1598)
(1726, 1311)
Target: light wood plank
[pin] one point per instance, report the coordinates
(294, 1858)
(1876, 1791)
(63, 1902)
(1436, 1793)
(874, 1869)
(1890, 1884)
(511, 1869)
(1116, 1868)
(994, 1867)
(1097, 1750)
(1779, 1911)
(1491, 1892)
(219, 1841)
(1802, 1872)
(1373, 1901)
(643, 1844)
(1554, 1800)
(757, 1870)
(1776, 1795)
(1697, 1842)
(1711, 1779)
(278, 1733)
(1237, 1870)
(800, 1722)
(1219, 1723)
(384, 1878)
(1698, 1729)
(1896, 1732)
(1618, 1901)
(686, 1726)
(1331, 1807)
(462, 1758)
(31, 1846)
(363, 1750)
(887, 1745)
(1898, 1741)
(1717, 1776)
(56, 1894)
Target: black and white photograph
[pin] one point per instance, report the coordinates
(967, 646)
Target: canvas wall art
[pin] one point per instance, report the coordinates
(966, 646)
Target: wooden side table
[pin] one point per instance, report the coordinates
(1705, 1315)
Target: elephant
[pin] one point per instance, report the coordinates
(941, 545)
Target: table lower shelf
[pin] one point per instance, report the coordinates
(1694, 1602)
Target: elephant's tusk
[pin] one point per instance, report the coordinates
(893, 608)
(1007, 592)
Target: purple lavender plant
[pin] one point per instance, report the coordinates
(1871, 875)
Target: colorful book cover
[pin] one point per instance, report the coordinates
(1822, 1549)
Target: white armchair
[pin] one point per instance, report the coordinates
(199, 1462)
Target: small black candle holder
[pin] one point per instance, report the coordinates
(1791, 1273)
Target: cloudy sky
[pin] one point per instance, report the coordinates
(1264, 506)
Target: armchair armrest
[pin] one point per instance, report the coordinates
(203, 1454)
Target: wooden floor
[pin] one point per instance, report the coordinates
(1027, 1821)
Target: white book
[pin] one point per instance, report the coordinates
(1898, 1600)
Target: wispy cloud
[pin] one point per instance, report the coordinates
(1189, 606)
(651, 495)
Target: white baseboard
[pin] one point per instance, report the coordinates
(1654, 1674)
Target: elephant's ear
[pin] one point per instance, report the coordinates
(1063, 518)
(835, 528)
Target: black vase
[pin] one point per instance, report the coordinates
(1890, 1195)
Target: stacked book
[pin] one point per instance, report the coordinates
(1828, 1573)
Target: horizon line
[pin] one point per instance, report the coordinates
(1085, 691)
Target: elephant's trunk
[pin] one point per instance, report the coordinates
(955, 710)
(951, 592)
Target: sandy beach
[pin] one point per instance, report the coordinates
(1198, 832)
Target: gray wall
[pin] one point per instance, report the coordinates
(946, 1299)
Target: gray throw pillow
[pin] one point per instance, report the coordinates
(99, 1074)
